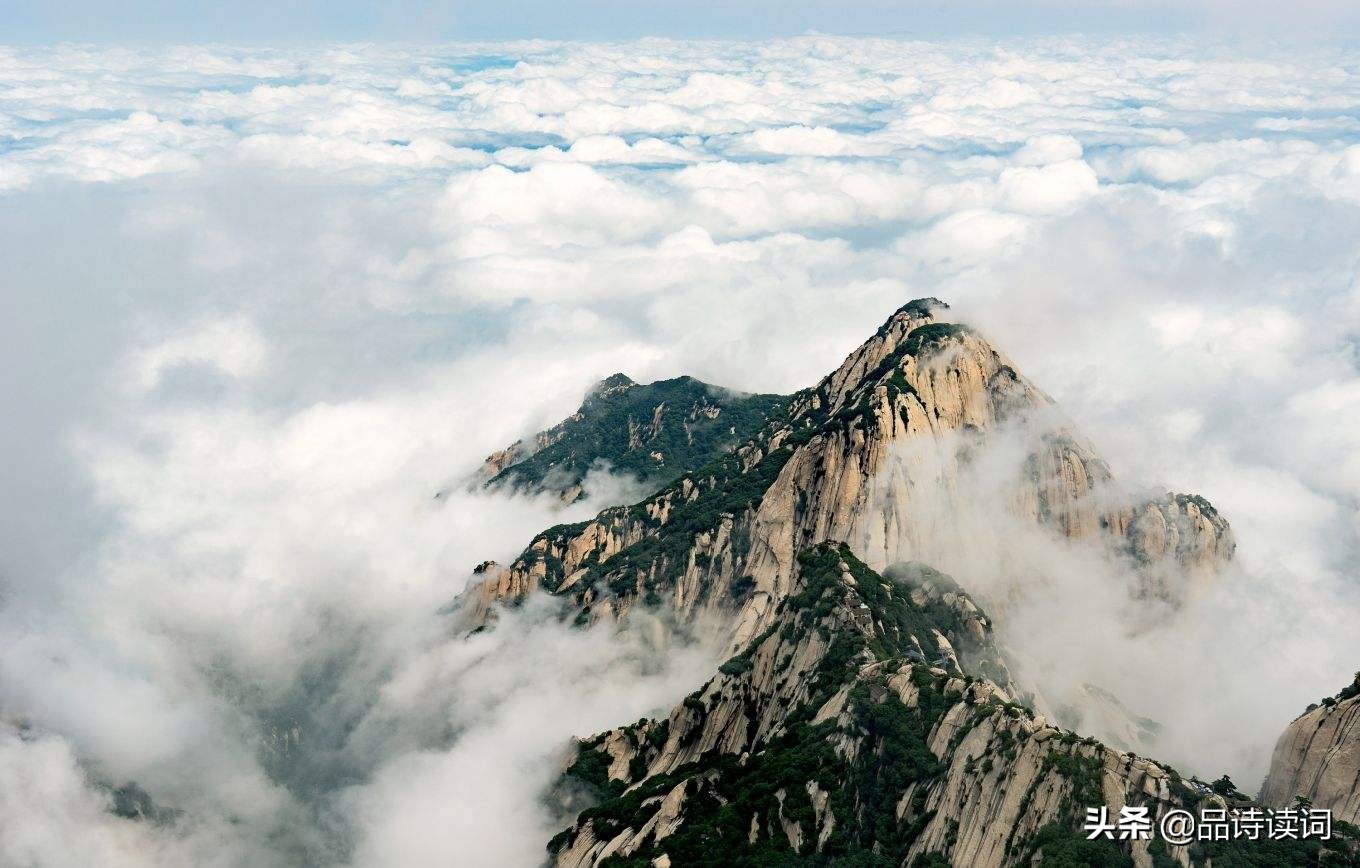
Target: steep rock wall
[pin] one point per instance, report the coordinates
(1318, 757)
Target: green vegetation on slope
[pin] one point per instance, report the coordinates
(726, 794)
(654, 432)
(871, 766)
(725, 480)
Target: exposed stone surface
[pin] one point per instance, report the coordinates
(1099, 711)
(830, 736)
(1318, 757)
(869, 716)
(867, 457)
(502, 458)
(1180, 537)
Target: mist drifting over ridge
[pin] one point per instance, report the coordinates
(270, 302)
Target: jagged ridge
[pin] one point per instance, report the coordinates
(829, 740)
(723, 538)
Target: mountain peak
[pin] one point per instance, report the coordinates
(722, 536)
(611, 383)
(923, 307)
(866, 714)
(917, 312)
(885, 348)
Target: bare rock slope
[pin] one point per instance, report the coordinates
(856, 731)
(866, 716)
(844, 461)
(1318, 757)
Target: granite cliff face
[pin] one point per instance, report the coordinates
(867, 456)
(1318, 757)
(859, 730)
(866, 715)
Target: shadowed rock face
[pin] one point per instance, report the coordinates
(1318, 757)
(866, 456)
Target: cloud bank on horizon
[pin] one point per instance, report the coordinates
(267, 302)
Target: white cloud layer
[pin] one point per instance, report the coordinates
(269, 302)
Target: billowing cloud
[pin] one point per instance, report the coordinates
(274, 305)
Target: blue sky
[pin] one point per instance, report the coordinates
(301, 21)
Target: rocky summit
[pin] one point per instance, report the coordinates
(843, 461)
(865, 714)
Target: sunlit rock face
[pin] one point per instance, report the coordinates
(858, 723)
(866, 707)
(1318, 757)
(885, 453)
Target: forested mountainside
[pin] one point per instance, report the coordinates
(654, 433)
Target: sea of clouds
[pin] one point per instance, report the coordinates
(262, 306)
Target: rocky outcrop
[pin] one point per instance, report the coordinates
(849, 732)
(499, 460)
(873, 455)
(1180, 540)
(1318, 757)
(848, 729)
